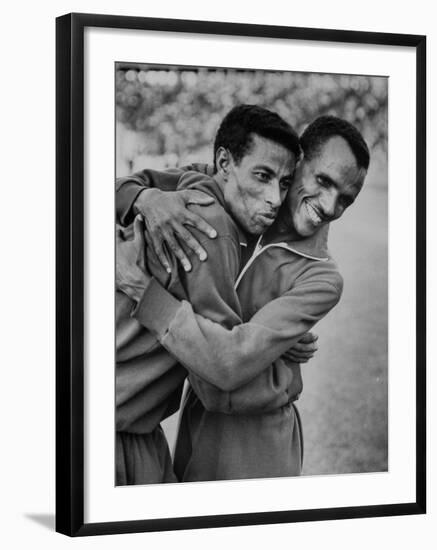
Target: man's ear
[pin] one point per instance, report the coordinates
(298, 167)
(223, 159)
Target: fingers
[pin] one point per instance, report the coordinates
(194, 220)
(302, 353)
(119, 235)
(139, 231)
(299, 360)
(157, 244)
(138, 224)
(176, 248)
(299, 357)
(188, 239)
(309, 337)
(197, 197)
(305, 348)
(174, 236)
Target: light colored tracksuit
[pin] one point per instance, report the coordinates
(228, 431)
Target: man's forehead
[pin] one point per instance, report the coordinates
(336, 152)
(337, 158)
(265, 150)
(264, 143)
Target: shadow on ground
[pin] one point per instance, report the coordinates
(46, 520)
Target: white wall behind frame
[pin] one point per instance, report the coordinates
(27, 402)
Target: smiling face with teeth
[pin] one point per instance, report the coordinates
(324, 186)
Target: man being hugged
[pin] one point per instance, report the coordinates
(239, 418)
(252, 178)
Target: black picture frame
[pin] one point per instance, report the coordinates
(70, 273)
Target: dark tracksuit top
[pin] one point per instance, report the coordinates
(239, 422)
(148, 378)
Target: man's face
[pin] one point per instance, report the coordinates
(324, 186)
(255, 187)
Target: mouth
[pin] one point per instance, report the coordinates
(313, 214)
(267, 217)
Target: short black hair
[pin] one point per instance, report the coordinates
(326, 127)
(238, 126)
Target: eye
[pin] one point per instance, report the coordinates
(323, 182)
(286, 183)
(262, 176)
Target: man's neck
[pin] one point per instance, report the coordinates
(282, 229)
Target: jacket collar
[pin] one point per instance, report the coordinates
(314, 247)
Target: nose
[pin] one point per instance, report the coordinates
(273, 195)
(328, 202)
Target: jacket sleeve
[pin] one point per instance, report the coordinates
(230, 357)
(128, 188)
(276, 386)
(141, 392)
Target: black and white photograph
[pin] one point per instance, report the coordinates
(251, 274)
(215, 270)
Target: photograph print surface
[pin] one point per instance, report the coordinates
(259, 351)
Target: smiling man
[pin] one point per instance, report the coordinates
(330, 176)
(287, 283)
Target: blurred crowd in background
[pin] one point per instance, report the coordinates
(167, 117)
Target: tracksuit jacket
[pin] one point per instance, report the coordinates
(148, 378)
(238, 418)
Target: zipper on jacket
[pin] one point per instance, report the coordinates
(259, 249)
(256, 251)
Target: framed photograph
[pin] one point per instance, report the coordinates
(240, 274)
